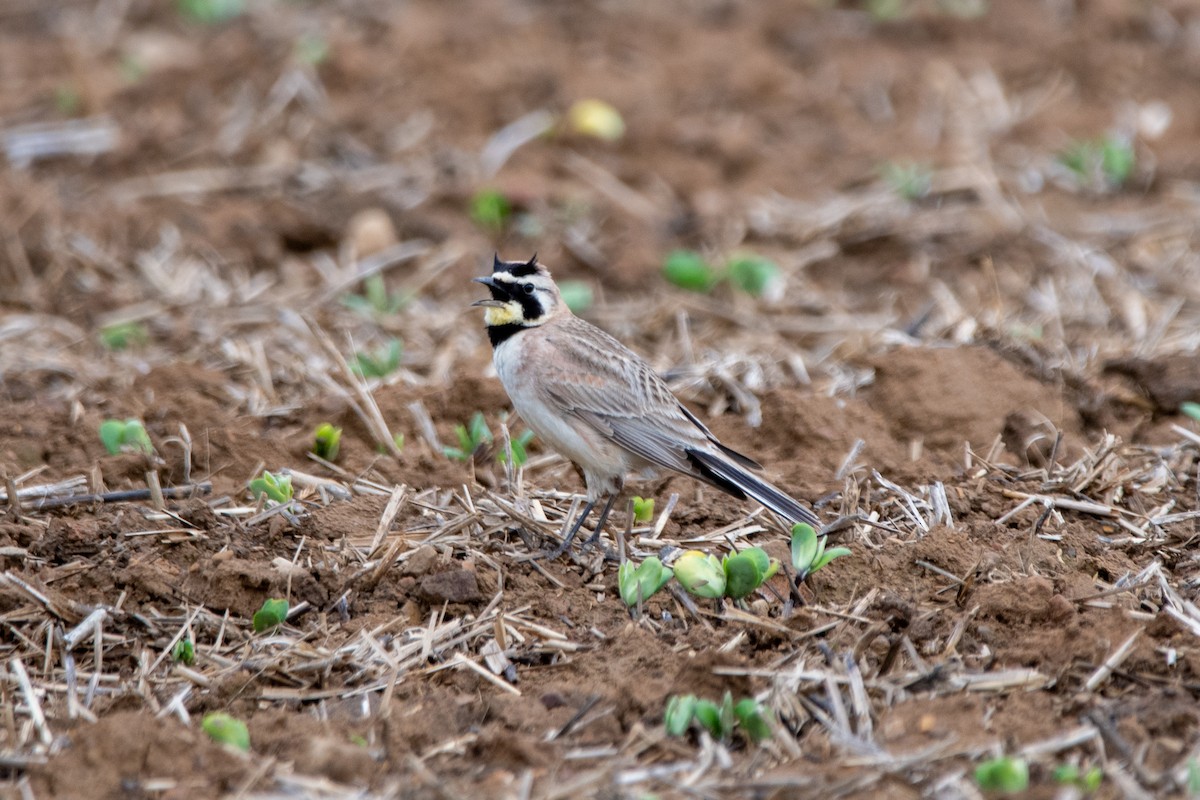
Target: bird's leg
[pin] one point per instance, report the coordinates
(595, 537)
(570, 537)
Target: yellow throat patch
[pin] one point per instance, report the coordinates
(510, 313)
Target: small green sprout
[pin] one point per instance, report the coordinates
(358, 739)
(638, 584)
(908, 179)
(210, 12)
(809, 553)
(746, 571)
(688, 270)
(701, 574)
(577, 295)
(1103, 164)
(123, 335)
(886, 10)
(490, 210)
(754, 275)
(276, 487)
(1193, 777)
(471, 437)
(225, 729)
(517, 445)
(327, 441)
(680, 710)
(398, 439)
(375, 299)
(643, 509)
(380, 363)
(271, 615)
(597, 119)
(1190, 409)
(127, 436)
(1005, 774)
(753, 720)
(184, 651)
(719, 719)
(1087, 781)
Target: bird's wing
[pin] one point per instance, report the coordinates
(606, 385)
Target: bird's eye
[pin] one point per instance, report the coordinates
(527, 288)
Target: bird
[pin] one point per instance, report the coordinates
(599, 404)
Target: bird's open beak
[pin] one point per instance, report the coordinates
(493, 301)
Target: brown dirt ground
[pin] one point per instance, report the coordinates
(729, 105)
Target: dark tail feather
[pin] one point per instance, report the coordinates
(731, 478)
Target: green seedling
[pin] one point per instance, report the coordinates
(1190, 409)
(809, 553)
(379, 363)
(719, 719)
(471, 437)
(1103, 164)
(123, 335)
(908, 179)
(681, 708)
(688, 270)
(327, 441)
(225, 729)
(577, 295)
(184, 652)
(643, 509)
(701, 574)
(277, 488)
(754, 275)
(491, 210)
(271, 615)
(886, 10)
(752, 719)
(127, 436)
(1087, 781)
(746, 571)
(1005, 774)
(516, 449)
(210, 12)
(597, 119)
(375, 300)
(638, 584)
(1193, 777)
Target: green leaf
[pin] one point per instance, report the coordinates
(517, 448)
(1190, 409)
(753, 275)
(909, 180)
(1005, 774)
(680, 710)
(490, 210)
(577, 295)
(708, 714)
(701, 574)
(742, 575)
(118, 436)
(804, 547)
(642, 582)
(689, 270)
(112, 433)
(380, 362)
(643, 509)
(829, 555)
(276, 487)
(750, 716)
(327, 441)
(728, 717)
(122, 335)
(271, 615)
(184, 652)
(227, 730)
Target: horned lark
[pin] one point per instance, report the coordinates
(596, 402)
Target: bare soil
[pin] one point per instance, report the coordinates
(990, 379)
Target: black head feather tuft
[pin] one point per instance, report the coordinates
(530, 267)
